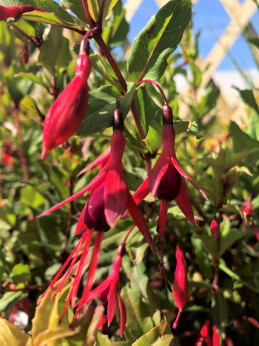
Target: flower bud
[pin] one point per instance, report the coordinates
(25, 56)
(214, 228)
(67, 112)
(181, 287)
(14, 11)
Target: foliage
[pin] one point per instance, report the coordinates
(221, 156)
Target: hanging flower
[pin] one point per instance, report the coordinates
(14, 11)
(69, 109)
(204, 335)
(181, 287)
(166, 179)
(109, 189)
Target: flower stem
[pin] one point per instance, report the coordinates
(157, 86)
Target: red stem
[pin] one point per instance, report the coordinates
(156, 85)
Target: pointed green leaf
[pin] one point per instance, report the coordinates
(46, 337)
(152, 47)
(101, 118)
(20, 336)
(154, 336)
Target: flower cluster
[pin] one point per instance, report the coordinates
(110, 198)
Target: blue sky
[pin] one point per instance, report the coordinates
(211, 19)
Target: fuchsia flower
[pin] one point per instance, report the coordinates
(214, 228)
(109, 292)
(108, 200)
(14, 11)
(215, 337)
(181, 287)
(25, 56)
(68, 110)
(165, 180)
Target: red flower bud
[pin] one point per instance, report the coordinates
(68, 110)
(181, 287)
(14, 11)
(215, 337)
(214, 228)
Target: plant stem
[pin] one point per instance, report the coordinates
(157, 86)
(87, 13)
(98, 38)
(100, 19)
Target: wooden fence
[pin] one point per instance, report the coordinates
(239, 24)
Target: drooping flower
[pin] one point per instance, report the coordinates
(214, 228)
(166, 179)
(7, 158)
(67, 112)
(14, 11)
(109, 291)
(215, 337)
(108, 200)
(109, 190)
(181, 287)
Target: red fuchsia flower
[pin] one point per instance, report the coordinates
(204, 335)
(109, 291)
(214, 228)
(110, 195)
(165, 180)
(181, 287)
(108, 200)
(248, 208)
(14, 11)
(68, 110)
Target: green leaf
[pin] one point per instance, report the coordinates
(50, 18)
(101, 118)
(228, 236)
(95, 5)
(153, 139)
(31, 197)
(9, 299)
(153, 337)
(247, 96)
(11, 335)
(155, 43)
(116, 27)
(235, 277)
(54, 52)
(76, 7)
(219, 312)
(28, 103)
(47, 336)
(20, 336)
(241, 139)
(102, 340)
(32, 77)
(46, 5)
(21, 273)
(139, 321)
(99, 65)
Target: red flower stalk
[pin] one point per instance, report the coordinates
(109, 291)
(204, 335)
(181, 287)
(214, 228)
(14, 11)
(110, 195)
(69, 109)
(165, 180)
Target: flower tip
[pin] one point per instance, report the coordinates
(44, 153)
